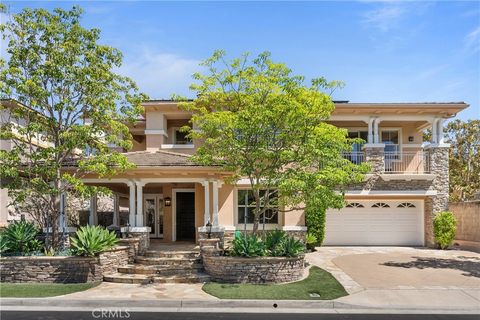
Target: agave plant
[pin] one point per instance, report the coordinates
(248, 246)
(91, 240)
(293, 247)
(274, 242)
(21, 236)
(3, 243)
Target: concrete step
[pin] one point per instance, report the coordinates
(164, 270)
(180, 262)
(147, 279)
(172, 254)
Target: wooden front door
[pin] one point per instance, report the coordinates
(185, 212)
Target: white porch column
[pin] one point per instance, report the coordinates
(216, 185)
(139, 216)
(131, 216)
(92, 218)
(434, 131)
(206, 188)
(370, 129)
(441, 136)
(376, 135)
(116, 209)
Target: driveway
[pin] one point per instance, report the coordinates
(404, 276)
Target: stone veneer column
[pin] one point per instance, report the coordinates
(439, 202)
(375, 156)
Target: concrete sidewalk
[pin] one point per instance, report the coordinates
(226, 306)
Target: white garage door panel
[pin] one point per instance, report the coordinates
(375, 226)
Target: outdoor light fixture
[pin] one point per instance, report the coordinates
(168, 202)
(410, 139)
(209, 229)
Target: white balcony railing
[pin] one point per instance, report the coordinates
(407, 162)
(397, 162)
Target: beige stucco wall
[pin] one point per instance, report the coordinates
(293, 218)
(226, 205)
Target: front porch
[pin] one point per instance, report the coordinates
(168, 209)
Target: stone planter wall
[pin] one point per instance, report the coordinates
(253, 270)
(133, 245)
(62, 269)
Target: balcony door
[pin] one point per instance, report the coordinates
(153, 208)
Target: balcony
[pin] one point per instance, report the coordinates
(394, 163)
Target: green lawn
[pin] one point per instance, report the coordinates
(38, 290)
(318, 282)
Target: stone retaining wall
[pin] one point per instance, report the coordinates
(253, 270)
(62, 269)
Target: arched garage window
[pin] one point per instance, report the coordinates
(406, 205)
(354, 205)
(380, 205)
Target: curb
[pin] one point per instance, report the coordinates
(215, 306)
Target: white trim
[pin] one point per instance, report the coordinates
(391, 193)
(437, 145)
(243, 181)
(177, 146)
(174, 209)
(374, 145)
(155, 131)
(214, 229)
(382, 117)
(407, 177)
(294, 228)
(135, 229)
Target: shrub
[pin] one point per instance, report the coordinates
(21, 237)
(444, 228)
(274, 242)
(247, 245)
(292, 247)
(315, 222)
(311, 241)
(91, 240)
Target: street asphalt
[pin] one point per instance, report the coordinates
(83, 315)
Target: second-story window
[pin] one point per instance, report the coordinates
(391, 140)
(180, 137)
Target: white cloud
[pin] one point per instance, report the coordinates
(387, 15)
(159, 74)
(472, 40)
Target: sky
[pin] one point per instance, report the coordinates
(384, 51)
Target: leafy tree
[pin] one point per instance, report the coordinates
(464, 159)
(71, 100)
(260, 122)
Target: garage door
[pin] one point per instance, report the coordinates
(376, 223)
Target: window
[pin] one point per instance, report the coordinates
(246, 205)
(354, 205)
(358, 134)
(406, 205)
(391, 140)
(380, 205)
(180, 137)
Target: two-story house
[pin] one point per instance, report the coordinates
(172, 198)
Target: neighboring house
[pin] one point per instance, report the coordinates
(7, 117)
(173, 198)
